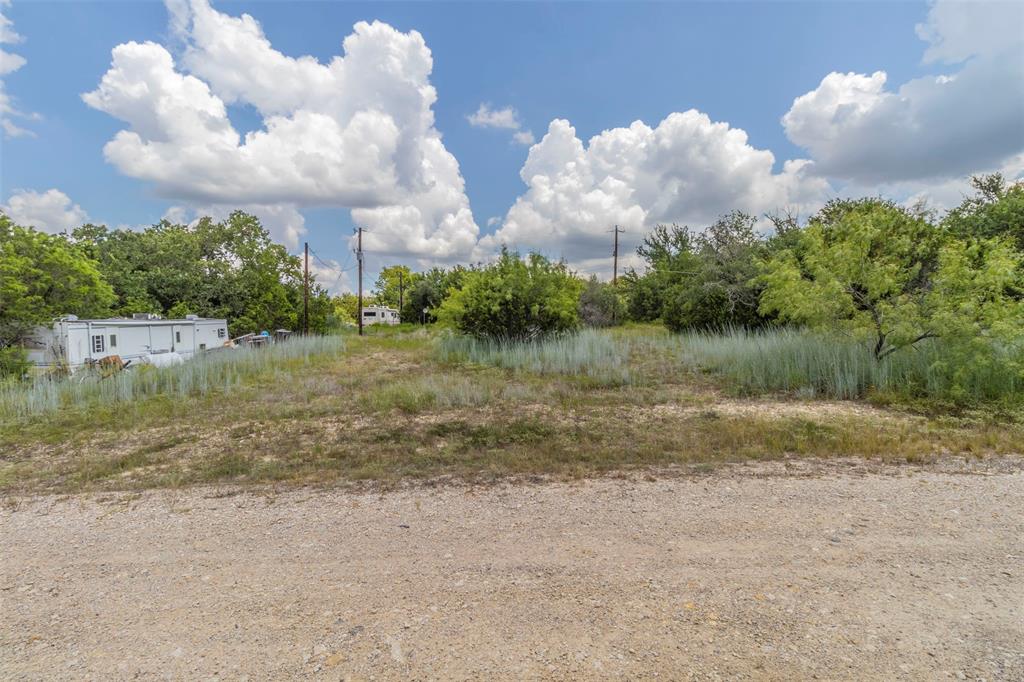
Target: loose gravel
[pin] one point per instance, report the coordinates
(834, 570)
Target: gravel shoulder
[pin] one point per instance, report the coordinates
(834, 570)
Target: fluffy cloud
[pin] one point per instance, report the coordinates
(9, 63)
(855, 128)
(505, 119)
(687, 169)
(356, 132)
(49, 211)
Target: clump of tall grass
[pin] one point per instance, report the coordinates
(812, 364)
(588, 353)
(221, 370)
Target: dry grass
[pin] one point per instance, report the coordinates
(392, 408)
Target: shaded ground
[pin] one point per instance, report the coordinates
(838, 569)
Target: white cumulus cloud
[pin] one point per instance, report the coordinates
(857, 128)
(50, 211)
(687, 169)
(355, 132)
(503, 119)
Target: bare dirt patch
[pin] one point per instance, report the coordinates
(847, 570)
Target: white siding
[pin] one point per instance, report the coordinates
(130, 339)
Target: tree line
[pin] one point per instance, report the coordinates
(865, 268)
(228, 269)
(898, 274)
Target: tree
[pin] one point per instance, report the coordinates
(670, 255)
(390, 281)
(346, 307)
(703, 279)
(875, 269)
(427, 290)
(514, 299)
(996, 210)
(42, 277)
(426, 295)
(720, 289)
(229, 269)
(600, 304)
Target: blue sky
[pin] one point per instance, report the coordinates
(598, 66)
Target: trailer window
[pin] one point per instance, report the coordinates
(177, 337)
(97, 344)
(221, 332)
(113, 340)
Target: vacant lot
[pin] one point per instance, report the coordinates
(396, 405)
(394, 508)
(830, 569)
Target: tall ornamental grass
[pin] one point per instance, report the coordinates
(220, 370)
(589, 353)
(803, 362)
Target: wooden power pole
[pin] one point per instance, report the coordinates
(359, 258)
(615, 256)
(401, 292)
(305, 295)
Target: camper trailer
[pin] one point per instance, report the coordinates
(141, 338)
(379, 314)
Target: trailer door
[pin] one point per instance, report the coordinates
(184, 338)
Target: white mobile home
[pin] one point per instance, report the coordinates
(140, 338)
(379, 314)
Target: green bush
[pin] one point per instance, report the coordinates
(13, 362)
(600, 305)
(514, 299)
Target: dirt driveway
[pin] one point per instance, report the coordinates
(829, 571)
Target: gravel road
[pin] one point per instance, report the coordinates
(830, 571)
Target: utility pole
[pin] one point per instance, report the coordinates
(615, 257)
(615, 266)
(359, 257)
(401, 291)
(305, 295)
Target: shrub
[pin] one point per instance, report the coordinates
(600, 305)
(13, 362)
(514, 300)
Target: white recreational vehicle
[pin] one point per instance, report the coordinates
(143, 337)
(379, 314)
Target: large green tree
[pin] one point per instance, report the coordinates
(878, 270)
(42, 277)
(392, 284)
(514, 299)
(228, 268)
